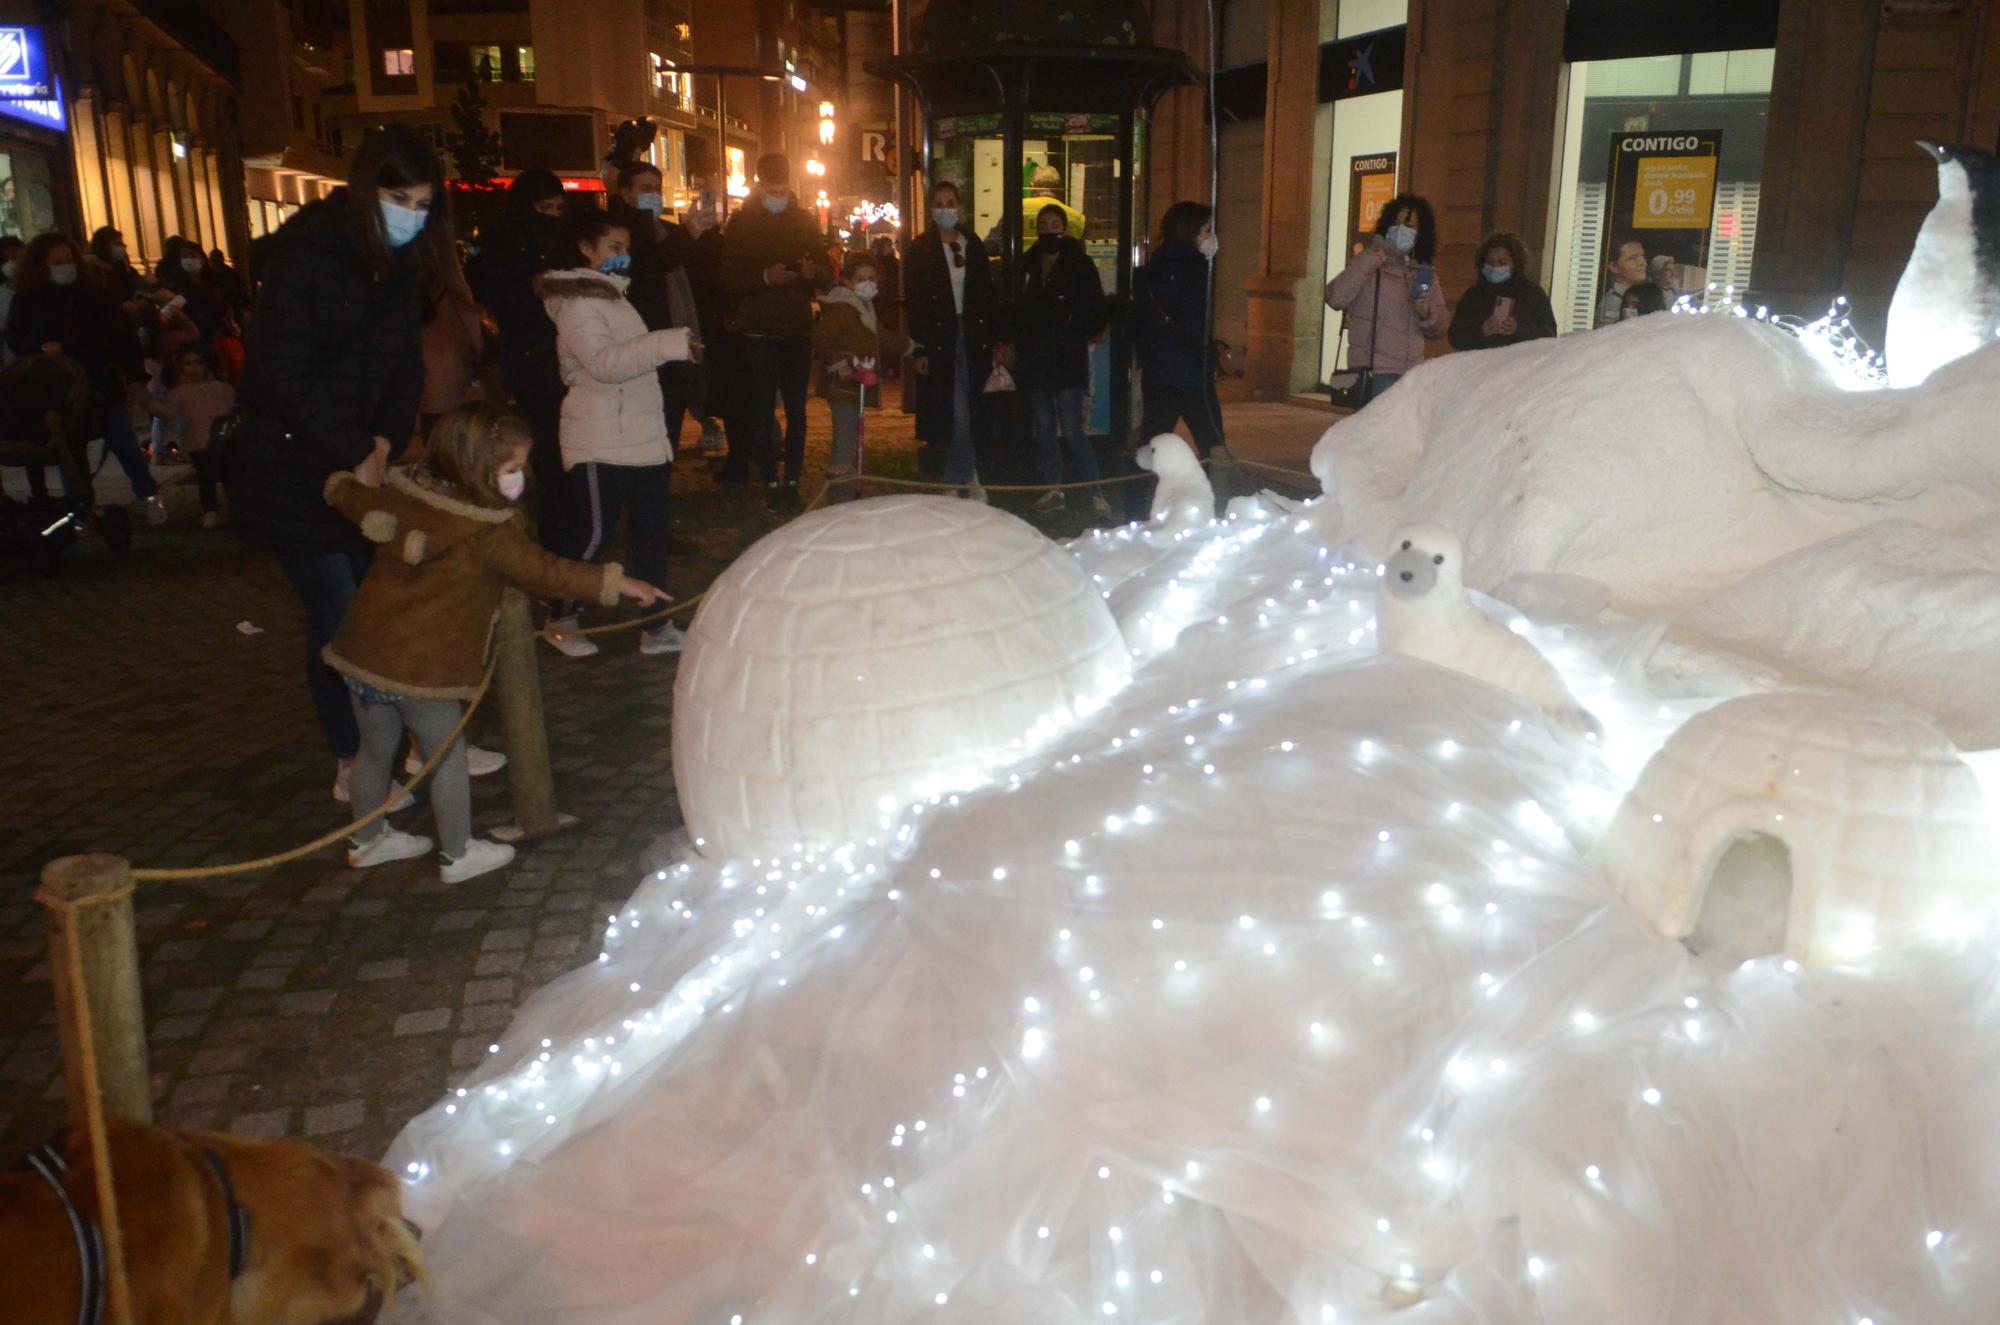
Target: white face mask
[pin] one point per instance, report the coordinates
(513, 485)
(866, 289)
(1402, 238)
(946, 218)
(1627, 314)
(64, 274)
(650, 202)
(1209, 245)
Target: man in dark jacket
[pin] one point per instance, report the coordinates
(515, 251)
(949, 301)
(1062, 310)
(773, 259)
(722, 386)
(659, 286)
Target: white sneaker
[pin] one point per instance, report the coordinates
(387, 845)
(1049, 501)
(481, 857)
(667, 639)
(343, 775)
(479, 761)
(1100, 509)
(211, 519)
(975, 492)
(156, 511)
(563, 638)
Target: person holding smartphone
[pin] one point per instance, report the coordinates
(1389, 294)
(1504, 306)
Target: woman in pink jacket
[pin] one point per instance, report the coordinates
(1389, 294)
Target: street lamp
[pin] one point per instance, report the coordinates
(815, 166)
(826, 132)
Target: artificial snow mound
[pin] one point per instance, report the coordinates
(878, 651)
(1885, 826)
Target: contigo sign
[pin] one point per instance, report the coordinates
(1369, 165)
(1675, 143)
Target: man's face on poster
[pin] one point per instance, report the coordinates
(1628, 265)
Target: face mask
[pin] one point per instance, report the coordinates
(1402, 238)
(1209, 246)
(947, 218)
(401, 223)
(650, 202)
(616, 264)
(1497, 275)
(1047, 243)
(866, 289)
(775, 203)
(64, 274)
(190, 265)
(7, 269)
(513, 485)
(1627, 314)
(118, 254)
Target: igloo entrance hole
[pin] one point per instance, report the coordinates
(1746, 904)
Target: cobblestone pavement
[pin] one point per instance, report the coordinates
(312, 1000)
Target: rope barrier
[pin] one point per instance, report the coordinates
(922, 485)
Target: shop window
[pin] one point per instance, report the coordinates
(400, 62)
(27, 194)
(1365, 168)
(1661, 162)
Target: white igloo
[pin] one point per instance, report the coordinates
(1887, 830)
(874, 652)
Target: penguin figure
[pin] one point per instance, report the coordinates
(1947, 303)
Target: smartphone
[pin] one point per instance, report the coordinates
(1426, 277)
(1503, 307)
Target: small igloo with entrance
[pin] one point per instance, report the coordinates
(1824, 826)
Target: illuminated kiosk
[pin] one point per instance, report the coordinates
(1068, 87)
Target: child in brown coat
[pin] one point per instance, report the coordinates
(413, 646)
(849, 352)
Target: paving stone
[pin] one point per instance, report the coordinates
(264, 977)
(488, 991)
(194, 1000)
(325, 1119)
(498, 963)
(395, 968)
(310, 1003)
(266, 1126)
(457, 920)
(202, 1091)
(423, 1023)
(501, 939)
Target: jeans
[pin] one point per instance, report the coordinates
(430, 721)
(780, 366)
(1062, 410)
(1379, 383)
(1167, 405)
(122, 444)
(961, 461)
(326, 583)
(542, 408)
(204, 475)
(599, 494)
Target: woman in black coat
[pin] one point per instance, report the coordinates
(1170, 330)
(332, 377)
(1505, 306)
(518, 249)
(62, 307)
(1062, 310)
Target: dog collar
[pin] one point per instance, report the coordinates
(239, 1219)
(48, 1162)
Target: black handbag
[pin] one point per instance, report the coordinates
(1349, 387)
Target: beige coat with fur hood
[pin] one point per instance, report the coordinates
(423, 617)
(614, 413)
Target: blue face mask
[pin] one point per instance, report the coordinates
(1497, 275)
(776, 202)
(402, 223)
(650, 202)
(616, 264)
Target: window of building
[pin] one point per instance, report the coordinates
(484, 62)
(524, 61)
(1363, 172)
(399, 62)
(1662, 156)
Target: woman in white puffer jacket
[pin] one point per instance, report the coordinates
(615, 453)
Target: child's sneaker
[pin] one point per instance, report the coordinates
(479, 761)
(343, 774)
(156, 511)
(479, 857)
(668, 638)
(1049, 502)
(974, 491)
(211, 519)
(387, 845)
(1100, 509)
(562, 636)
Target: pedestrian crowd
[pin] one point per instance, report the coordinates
(379, 413)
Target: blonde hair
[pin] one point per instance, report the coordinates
(467, 447)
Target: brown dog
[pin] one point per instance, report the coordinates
(320, 1239)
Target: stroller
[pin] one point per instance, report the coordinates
(44, 414)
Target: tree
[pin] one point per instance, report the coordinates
(474, 148)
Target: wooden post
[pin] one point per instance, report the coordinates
(517, 683)
(88, 904)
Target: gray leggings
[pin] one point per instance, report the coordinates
(430, 721)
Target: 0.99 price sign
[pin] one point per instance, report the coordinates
(1659, 212)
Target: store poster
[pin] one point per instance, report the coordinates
(1371, 183)
(1660, 214)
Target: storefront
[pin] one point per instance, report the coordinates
(34, 148)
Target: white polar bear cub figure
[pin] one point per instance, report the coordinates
(1424, 614)
(1185, 499)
